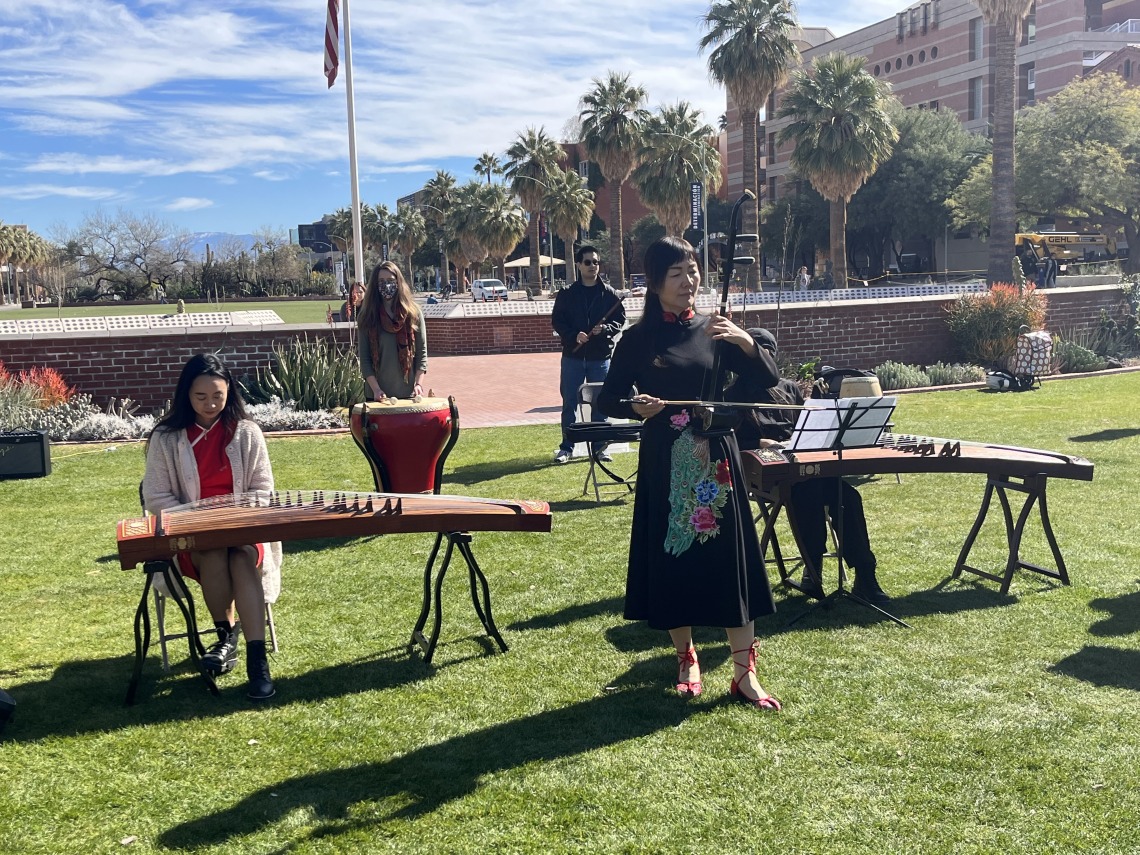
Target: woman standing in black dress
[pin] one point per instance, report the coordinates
(694, 557)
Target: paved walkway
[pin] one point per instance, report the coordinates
(499, 389)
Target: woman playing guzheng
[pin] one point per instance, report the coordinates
(694, 557)
(392, 340)
(206, 446)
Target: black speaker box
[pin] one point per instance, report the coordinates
(24, 454)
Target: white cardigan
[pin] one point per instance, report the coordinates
(172, 479)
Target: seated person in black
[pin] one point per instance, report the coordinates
(812, 498)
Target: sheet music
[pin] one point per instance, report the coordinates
(826, 423)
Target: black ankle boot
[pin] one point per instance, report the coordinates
(221, 657)
(811, 584)
(257, 669)
(867, 588)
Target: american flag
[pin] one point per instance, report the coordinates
(332, 42)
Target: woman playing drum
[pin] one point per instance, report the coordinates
(393, 337)
(694, 557)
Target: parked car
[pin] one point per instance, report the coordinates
(488, 289)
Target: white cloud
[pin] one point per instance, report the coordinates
(188, 203)
(42, 191)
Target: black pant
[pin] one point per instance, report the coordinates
(809, 499)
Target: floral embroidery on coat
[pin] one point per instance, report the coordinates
(698, 491)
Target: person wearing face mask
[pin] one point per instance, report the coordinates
(207, 446)
(694, 556)
(392, 339)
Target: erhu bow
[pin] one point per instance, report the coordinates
(713, 385)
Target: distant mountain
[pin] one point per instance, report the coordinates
(200, 240)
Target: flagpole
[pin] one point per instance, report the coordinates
(357, 244)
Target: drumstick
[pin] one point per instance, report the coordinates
(590, 335)
(711, 404)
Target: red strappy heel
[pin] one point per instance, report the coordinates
(686, 659)
(768, 702)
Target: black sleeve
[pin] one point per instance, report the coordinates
(621, 379)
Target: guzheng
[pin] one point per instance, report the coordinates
(903, 454)
(263, 516)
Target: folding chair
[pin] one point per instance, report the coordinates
(602, 433)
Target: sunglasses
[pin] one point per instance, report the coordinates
(590, 262)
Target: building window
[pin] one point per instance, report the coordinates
(770, 109)
(922, 56)
(1127, 69)
(898, 64)
(933, 105)
(902, 26)
(771, 189)
(976, 25)
(909, 60)
(877, 70)
(1031, 79)
(975, 108)
(934, 52)
(772, 147)
(914, 22)
(925, 17)
(934, 14)
(1029, 27)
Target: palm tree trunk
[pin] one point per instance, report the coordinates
(839, 242)
(616, 261)
(750, 214)
(1003, 223)
(535, 249)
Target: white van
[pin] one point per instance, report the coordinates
(488, 289)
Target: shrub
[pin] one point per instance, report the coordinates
(59, 421)
(1074, 358)
(896, 375)
(101, 427)
(942, 374)
(50, 388)
(278, 415)
(985, 326)
(17, 403)
(311, 375)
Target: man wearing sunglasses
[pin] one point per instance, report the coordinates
(587, 317)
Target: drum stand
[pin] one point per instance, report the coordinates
(460, 540)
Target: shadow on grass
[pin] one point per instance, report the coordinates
(1124, 614)
(88, 696)
(423, 780)
(562, 617)
(947, 597)
(584, 504)
(1103, 666)
(1106, 435)
(476, 473)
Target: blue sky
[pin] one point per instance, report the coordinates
(215, 116)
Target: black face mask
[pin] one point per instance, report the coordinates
(387, 290)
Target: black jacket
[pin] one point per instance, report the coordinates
(579, 309)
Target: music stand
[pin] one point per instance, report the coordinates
(835, 425)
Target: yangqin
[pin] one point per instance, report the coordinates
(770, 474)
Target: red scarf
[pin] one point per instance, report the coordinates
(400, 326)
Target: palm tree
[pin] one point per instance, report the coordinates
(438, 193)
(842, 130)
(678, 150)
(488, 165)
(408, 232)
(752, 52)
(7, 250)
(464, 239)
(1005, 16)
(612, 116)
(501, 224)
(569, 203)
(531, 160)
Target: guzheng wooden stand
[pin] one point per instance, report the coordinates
(848, 423)
(1033, 486)
(181, 595)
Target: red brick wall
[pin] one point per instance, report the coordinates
(144, 366)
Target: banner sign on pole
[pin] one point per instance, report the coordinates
(696, 197)
(384, 251)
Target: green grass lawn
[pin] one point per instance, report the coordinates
(291, 311)
(998, 724)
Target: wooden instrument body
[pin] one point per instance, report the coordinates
(403, 441)
(900, 455)
(259, 518)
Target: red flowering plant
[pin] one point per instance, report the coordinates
(50, 388)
